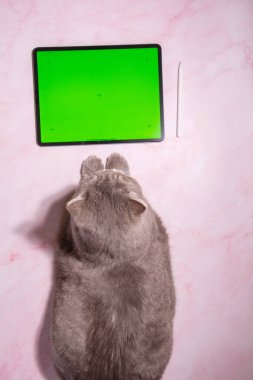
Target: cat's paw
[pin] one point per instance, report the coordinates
(116, 161)
(91, 165)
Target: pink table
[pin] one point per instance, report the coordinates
(201, 184)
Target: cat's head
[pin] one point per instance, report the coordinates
(108, 209)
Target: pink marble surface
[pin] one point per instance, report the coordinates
(201, 184)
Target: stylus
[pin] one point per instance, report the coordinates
(178, 97)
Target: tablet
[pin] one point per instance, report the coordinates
(98, 94)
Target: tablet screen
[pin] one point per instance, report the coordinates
(98, 94)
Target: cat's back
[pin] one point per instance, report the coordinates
(112, 322)
(98, 319)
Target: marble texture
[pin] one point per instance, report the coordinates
(201, 184)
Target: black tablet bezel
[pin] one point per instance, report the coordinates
(101, 47)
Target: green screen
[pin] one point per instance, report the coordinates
(92, 95)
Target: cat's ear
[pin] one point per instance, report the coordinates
(136, 204)
(90, 166)
(75, 207)
(118, 162)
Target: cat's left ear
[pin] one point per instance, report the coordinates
(137, 204)
(75, 207)
(90, 166)
(74, 201)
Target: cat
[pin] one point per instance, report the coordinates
(114, 300)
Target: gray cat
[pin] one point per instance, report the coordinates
(114, 295)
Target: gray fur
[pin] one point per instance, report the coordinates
(114, 295)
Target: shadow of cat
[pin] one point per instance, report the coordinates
(45, 234)
(43, 231)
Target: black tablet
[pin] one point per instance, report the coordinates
(98, 94)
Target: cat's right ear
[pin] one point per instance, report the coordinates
(118, 162)
(137, 205)
(90, 166)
